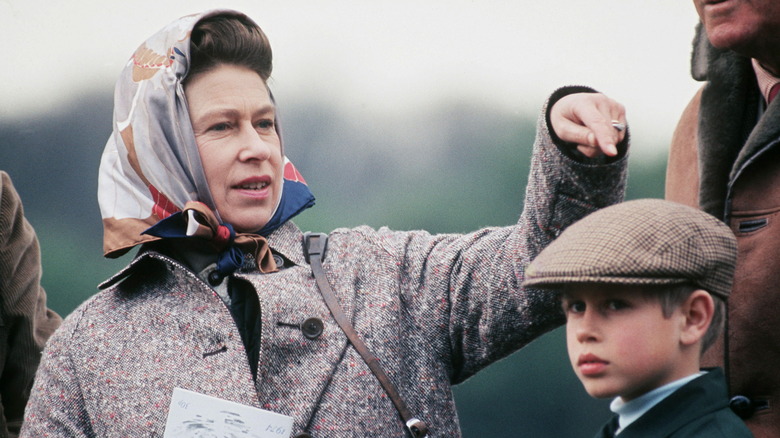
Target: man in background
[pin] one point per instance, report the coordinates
(725, 159)
(25, 322)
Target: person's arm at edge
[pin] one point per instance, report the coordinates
(26, 321)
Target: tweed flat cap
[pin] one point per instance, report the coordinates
(641, 242)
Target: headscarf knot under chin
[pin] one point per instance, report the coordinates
(197, 220)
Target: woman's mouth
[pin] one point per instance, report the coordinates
(253, 183)
(252, 186)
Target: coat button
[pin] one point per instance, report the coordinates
(279, 260)
(741, 406)
(312, 328)
(214, 278)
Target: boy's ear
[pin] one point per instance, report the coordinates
(697, 310)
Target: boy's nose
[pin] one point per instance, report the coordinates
(586, 329)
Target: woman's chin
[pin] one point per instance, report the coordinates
(248, 223)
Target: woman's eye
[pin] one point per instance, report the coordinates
(220, 127)
(265, 124)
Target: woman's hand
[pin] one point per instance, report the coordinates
(586, 119)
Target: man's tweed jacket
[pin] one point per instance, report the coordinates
(435, 309)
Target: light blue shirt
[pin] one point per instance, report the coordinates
(628, 412)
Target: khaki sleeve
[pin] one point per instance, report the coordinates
(25, 321)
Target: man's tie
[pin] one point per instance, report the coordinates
(773, 92)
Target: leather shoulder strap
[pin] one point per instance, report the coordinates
(315, 245)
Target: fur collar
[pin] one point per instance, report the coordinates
(729, 109)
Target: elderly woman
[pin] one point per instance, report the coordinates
(221, 299)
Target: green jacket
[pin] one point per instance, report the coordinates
(699, 409)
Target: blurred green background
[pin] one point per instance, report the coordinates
(462, 167)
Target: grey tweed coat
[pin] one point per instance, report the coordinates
(434, 308)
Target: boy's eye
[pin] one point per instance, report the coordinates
(616, 304)
(574, 307)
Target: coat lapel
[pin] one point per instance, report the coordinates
(296, 363)
(727, 115)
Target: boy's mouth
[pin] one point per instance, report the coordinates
(590, 364)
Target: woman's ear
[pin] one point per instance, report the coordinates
(697, 311)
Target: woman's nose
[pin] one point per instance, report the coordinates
(254, 146)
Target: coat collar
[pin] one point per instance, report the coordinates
(730, 107)
(700, 397)
(287, 240)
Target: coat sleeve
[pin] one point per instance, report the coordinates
(471, 284)
(25, 322)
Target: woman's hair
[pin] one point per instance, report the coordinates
(229, 39)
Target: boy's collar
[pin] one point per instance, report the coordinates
(630, 411)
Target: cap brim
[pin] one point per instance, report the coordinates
(557, 281)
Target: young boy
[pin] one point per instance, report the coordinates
(644, 284)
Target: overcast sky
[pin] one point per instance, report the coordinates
(394, 56)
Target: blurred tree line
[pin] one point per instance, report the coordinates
(454, 169)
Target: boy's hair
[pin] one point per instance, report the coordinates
(671, 298)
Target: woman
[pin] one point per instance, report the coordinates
(221, 300)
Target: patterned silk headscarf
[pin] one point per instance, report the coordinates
(151, 169)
